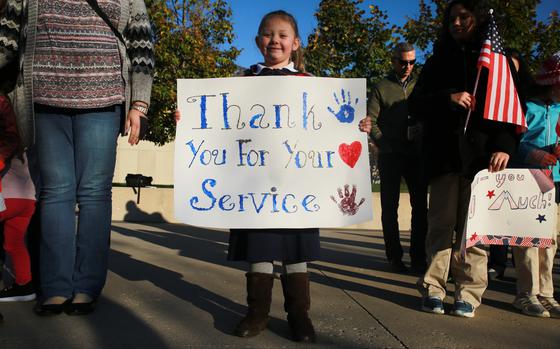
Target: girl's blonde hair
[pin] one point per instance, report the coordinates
(297, 55)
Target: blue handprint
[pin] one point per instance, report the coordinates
(346, 111)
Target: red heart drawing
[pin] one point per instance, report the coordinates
(350, 153)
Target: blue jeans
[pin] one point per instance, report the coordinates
(76, 152)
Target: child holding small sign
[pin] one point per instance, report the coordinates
(539, 147)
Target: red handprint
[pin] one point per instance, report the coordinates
(347, 203)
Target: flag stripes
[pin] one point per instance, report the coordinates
(502, 100)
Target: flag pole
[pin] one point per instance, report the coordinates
(474, 94)
(490, 12)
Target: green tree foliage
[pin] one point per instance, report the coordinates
(193, 40)
(423, 30)
(516, 20)
(348, 43)
(548, 35)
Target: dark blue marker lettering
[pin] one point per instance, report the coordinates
(260, 206)
(298, 160)
(203, 156)
(240, 143)
(290, 151)
(225, 110)
(285, 205)
(194, 200)
(241, 202)
(215, 154)
(223, 201)
(308, 199)
(203, 109)
(315, 156)
(194, 150)
(277, 123)
(329, 158)
(305, 110)
(254, 120)
(203, 120)
(274, 200)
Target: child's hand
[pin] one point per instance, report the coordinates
(177, 115)
(498, 161)
(548, 160)
(541, 158)
(365, 124)
(557, 151)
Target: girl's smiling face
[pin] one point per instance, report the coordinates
(276, 41)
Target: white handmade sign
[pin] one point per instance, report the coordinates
(272, 152)
(512, 207)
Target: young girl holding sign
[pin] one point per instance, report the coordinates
(280, 44)
(539, 147)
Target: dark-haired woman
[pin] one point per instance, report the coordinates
(442, 98)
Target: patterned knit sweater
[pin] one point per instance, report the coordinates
(18, 38)
(76, 62)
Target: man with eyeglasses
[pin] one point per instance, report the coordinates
(397, 137)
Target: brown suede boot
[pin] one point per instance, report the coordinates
(297, 301)
(259, 296)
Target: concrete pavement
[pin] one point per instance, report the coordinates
(170, 286)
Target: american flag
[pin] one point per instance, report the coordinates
(502, 100)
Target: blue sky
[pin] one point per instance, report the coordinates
(248, 13)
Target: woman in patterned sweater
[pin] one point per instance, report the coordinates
(86, 73)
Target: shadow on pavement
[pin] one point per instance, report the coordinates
(211, 246)
(201, 244)
(135, 214)
(225, 312)
(130, 329)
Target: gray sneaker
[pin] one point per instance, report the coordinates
(550, 304)
(530, 305)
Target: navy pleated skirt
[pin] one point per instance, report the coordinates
(265, 245)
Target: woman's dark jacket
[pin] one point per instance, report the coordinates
(453, 69)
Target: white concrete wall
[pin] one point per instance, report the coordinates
(145, 158)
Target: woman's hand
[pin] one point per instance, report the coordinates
(463, 99)
(498, 161)
(365, 124)
(133, 126)
(177, 115)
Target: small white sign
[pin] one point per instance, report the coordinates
(512, 207)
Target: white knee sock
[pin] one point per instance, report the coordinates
(261, 267)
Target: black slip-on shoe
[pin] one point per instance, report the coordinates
(42, 309)
(80, 308)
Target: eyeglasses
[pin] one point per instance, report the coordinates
(404, 62)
